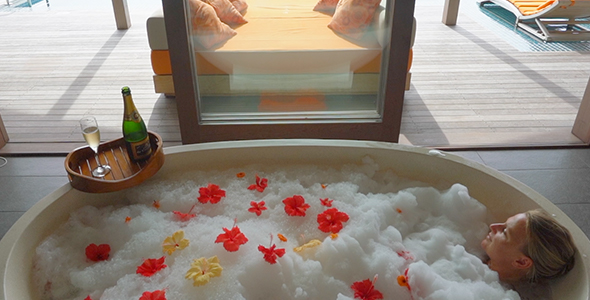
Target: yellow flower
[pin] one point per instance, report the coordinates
(310, 244)
(203, 269)
(175, 242)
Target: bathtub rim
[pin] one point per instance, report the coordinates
(9, 242)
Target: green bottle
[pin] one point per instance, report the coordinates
(135, 133)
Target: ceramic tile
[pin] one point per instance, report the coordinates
(559, 186)
(34, 166)
(532, 159)
(7, 219)
(583, 154)
(20, 193)
(579, 214)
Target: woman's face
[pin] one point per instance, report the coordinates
(504, 245)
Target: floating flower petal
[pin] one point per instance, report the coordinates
(271, 254)
(365, 290)
(156, 204)
(402, 280)
(127, 220)
(261, 184)
(88, 298)
(155, 295)
(334, 236)
(282, 237)
(98, 253)
(232, 239)
(326, 202)
(212, 193)
(241, 175)
(308, 245)
(203, 269)
(295, 206)
(331, 220)
(398, 210)
(406, 255)
(183, 216)
(324, 185)
(150, 266)
(257, 208)
(175, 242)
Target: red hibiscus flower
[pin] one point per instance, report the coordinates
(295, 206)
(150, 266)
(232, 239)
(183, 216)
(155, 295)
(88, 298)
(365, 290)
(331, 220)
(326, 202)
(260, 185)
(271, 254)
(211, 193)
(257, 208)
(98, 253)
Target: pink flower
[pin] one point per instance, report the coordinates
(295, 206)
(331, 220)
(406, 255)
(257, 208)
(232, 239)
(260, 185)
(211, 193)
(150, 266)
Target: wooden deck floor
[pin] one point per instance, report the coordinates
(469, 87)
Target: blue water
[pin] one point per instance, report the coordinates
(501, 21)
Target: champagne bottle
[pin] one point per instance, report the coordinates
(135, 133)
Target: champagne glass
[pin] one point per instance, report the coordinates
(91, 134)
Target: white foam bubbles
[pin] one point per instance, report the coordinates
(395, 224)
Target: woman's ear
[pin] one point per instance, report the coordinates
(524, 262)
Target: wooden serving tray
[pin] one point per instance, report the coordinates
(124, 172)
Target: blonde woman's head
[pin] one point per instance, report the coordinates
(550, 245)
(531, 246)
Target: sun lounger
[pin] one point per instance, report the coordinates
(553, 20)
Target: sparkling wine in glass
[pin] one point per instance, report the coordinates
(91, 134)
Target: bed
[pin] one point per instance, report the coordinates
(282, 41)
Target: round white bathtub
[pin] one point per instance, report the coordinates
(502, 195)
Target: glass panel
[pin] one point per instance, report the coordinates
(276, 61)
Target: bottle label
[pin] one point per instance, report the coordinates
(133, 116)
(140, 150)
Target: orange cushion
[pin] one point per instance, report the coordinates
(352, 17)
(226, 12)
(161, 62)
(207, 27)
(280, 102)
(240, 5)
(529, 7)
(326, 5)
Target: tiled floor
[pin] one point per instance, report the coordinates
(562, 176)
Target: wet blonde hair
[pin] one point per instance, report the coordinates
(549, 245)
